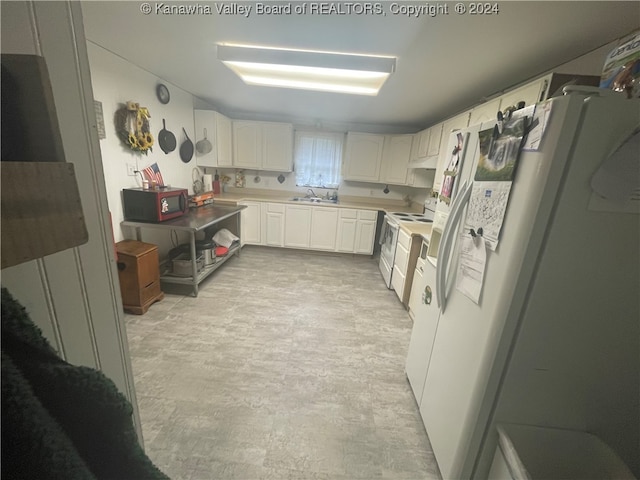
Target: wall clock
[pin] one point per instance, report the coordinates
(163, 93)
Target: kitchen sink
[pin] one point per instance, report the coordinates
(313, 200)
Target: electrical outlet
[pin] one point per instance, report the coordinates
(131, 169)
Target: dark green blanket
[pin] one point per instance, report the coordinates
(61, 421)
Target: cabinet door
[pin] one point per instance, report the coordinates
(324, 226)
(423, 143)
(347, 227)
(425, 323)
(273, 224)
(365, 236)
(395, 158)
(415, 296)
(274, 229)
(297, 226)
(363, 157)
(250, 223)
(485, 112)
(205, 124)
(456, 123)
(529, 94)
(223, 141)
(435, 136)
(346, 241)
(277, 152)
(247, 145)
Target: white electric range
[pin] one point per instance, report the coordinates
(389, 235)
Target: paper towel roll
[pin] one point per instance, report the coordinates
(207, 182)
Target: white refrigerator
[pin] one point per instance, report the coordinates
(553, 340)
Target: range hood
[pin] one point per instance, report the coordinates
(424, 162)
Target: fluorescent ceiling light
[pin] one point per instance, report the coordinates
(309, 70)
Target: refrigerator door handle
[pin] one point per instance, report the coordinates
(447, 242)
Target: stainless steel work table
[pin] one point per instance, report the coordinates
(196, 220)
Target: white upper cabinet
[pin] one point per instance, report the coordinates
(529, 94)
(277, 141)
(216, 128)
(435, 136)
(363, 157)
(426, 145)
(395, 159)
(485, 112)
(380, 159)
(421, 144)
(263, 145)
(247, 144)
(223, 140)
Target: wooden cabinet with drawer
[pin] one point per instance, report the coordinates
(139, 274)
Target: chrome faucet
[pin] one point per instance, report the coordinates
(311, 193)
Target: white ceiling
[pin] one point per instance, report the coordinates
(445, 63)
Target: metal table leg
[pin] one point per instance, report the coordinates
(194, 264)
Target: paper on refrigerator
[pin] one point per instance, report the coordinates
(539, 122)
(471, 267)
(493, 178)
(487, 206)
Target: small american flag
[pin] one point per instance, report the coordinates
(152, 173)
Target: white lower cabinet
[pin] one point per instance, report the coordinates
(356, 231)
(366, 231)
(347, 228)
(273, 224)
(324, 226)
(297, 226)
(250, 224)
(328, 229)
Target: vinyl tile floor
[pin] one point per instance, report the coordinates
(288, 365)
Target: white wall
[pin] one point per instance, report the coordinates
(73, 295)
(116, 81)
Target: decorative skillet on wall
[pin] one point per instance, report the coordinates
(186, 149)
(166, 139)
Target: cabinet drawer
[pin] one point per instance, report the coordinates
(368, 215)
(348, 213)
(149, 292)
(402, 258)
(275, 207)
(404, 239)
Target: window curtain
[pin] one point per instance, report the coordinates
(318, 157)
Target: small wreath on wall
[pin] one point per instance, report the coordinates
(132, 123)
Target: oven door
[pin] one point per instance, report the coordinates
(388, 240)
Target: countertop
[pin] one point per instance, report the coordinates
(360, 203)
(195, 220)
(417, 228)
